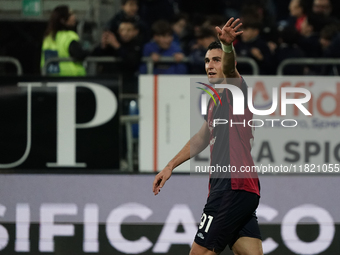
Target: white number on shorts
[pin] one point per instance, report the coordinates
(209, 223)
(203, 220)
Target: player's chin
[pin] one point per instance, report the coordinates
(215, 80)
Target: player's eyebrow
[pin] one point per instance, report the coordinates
(216, 58)
(213, 58)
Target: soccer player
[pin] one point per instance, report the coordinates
(229, 215)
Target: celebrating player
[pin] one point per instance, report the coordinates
(229, 215)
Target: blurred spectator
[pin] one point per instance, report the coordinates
(298, 10)
(322, 7)
(330, 43)
(126, 46)
(178, 26)
(327, 35)
(326, 8)
(163, 45)
(251, 45)
(257, 10)
(288, 49)
(310, 31)
(182, 31)
(309, 41)
(62, 42)
(129, 11)
(333, 51)
(197, 22)
(204, 38)
(193, 28)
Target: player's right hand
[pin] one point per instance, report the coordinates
(229, 32)
(160, 179)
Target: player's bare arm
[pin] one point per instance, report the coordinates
(227, 36)
(194, 146)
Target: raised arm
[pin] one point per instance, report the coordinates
(194, 146)
(227, 35)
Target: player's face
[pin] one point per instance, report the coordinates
(213, 66)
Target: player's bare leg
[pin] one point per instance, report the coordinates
(248, 246)
(197, 249)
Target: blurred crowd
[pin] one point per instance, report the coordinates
(273, 31)
(182, 30)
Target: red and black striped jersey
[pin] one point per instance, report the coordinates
(230, 145)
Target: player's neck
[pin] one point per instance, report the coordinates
(220, 90)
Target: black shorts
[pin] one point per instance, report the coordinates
(227, 216)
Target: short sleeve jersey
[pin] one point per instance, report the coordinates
(230, 145)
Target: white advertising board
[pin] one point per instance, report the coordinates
(170, 115)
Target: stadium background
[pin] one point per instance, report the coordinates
(76, 177)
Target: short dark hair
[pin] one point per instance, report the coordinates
(162, 27)
(215, 45)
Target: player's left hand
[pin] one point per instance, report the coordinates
(229, 32)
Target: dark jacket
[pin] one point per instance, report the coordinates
(130, 53)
